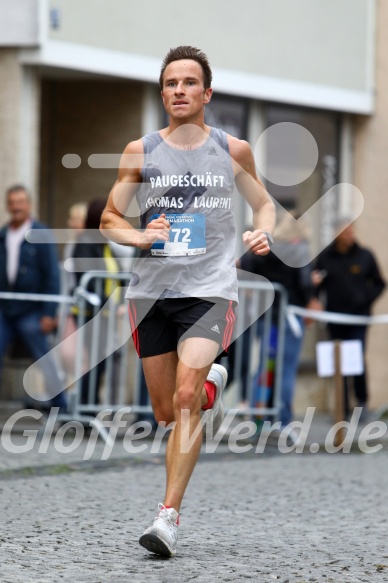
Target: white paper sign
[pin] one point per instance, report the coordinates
(325, 359)
(352, 362)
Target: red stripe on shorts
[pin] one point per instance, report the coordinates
(132, 319)
(233, 320)
(230, 318)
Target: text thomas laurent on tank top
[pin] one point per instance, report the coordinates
(184, 180)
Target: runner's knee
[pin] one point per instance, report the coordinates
(186, 398)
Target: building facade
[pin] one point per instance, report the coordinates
(80, 78)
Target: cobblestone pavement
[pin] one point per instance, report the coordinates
(291, 518)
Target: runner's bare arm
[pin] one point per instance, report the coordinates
(253, 190)
(113, 224)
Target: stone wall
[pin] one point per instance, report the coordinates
(19, 125)
(371, 177)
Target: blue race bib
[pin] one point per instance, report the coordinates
(187, 236)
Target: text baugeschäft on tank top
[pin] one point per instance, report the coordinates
(194, 189)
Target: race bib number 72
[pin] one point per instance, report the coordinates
(187, 235)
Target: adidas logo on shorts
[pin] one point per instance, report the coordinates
(212, 152)
(216, 329)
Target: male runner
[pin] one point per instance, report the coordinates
(184, 288)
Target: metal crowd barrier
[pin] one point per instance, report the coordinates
(103, 333)
(253, 298)
(80, 297)
(97, 335)
(61, 299)
(111, 323)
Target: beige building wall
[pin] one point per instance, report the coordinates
(10, 83)
(83, 118)
(19, 125)
(257, 27)
(371, 177)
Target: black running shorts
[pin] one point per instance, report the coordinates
(158, 326)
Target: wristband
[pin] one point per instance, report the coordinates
(269, 239)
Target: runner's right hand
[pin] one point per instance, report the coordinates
(157, 230)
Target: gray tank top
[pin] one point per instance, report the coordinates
(194, 189)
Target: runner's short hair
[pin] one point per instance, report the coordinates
(187, 52)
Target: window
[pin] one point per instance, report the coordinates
(228, 113)
(282, 156)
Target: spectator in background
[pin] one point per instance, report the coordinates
(291, 243)
(76, 223)
(29, 268)
(93, 252)
(349, 276)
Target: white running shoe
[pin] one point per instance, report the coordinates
(161, 538)
(214, 417)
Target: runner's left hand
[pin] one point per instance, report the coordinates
(256, 241)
